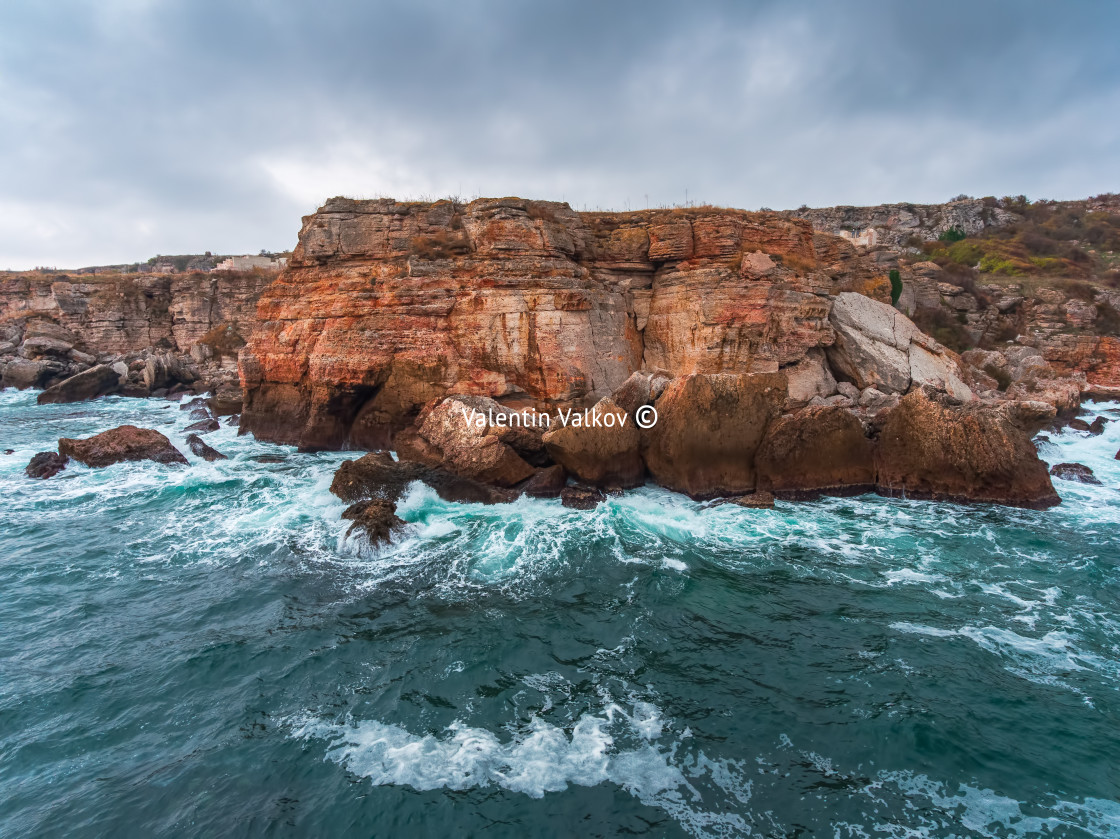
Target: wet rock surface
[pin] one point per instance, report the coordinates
(46, 465)
(125, 443)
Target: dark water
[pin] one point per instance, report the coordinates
(198, 652)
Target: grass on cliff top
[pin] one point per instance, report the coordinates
(1068, 239)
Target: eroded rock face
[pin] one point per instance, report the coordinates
(929, 448)
(386, 306)
(814, 451)
(127, 442)
(708, 430)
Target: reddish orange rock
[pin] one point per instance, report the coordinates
(386, 306)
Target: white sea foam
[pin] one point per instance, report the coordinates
(539, 758)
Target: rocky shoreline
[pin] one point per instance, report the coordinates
(464, 338)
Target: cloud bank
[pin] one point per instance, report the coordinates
(131, 128)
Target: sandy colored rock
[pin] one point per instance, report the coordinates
(459, 429)
(815, 451)
(708, 430)
(89, 384)
(928, 449)
(605, 452)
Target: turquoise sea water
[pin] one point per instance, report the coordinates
(200, 652)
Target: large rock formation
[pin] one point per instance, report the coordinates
(386, 306)
(124, 443)
(932, 448)
(877, 346)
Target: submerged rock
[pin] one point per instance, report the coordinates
(931, 448)
(1097, 426)
(126, 442)
(46, 465)
(89, 384)
(1075, 472)
(377, 517)
(760, 500)
(378, 475)
(200, 449)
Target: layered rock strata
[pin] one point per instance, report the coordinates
(386, 306)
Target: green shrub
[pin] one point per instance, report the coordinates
(953, 234)
(896, 286)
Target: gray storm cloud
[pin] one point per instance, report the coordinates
(135, 128)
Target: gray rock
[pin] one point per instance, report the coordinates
(45, 347)
(94, 382)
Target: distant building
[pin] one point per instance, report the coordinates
(248, 263)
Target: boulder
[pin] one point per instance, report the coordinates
(931, 448)
(548, 482)
(809, 378)
(1078, 424)
(1097, 426)
(200, 414)
(23, 374)
(94, 382)
(204, 426)
(581, 497)
(601, 446)
(459, 426)
(46, 465)
(1075, 472)
(378, 475)
(816, 451)
(708, 430)
(877, 346)
(377, 517)
(127, 442)
(45, 347)
(200, 449)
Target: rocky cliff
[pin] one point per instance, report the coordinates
(386, 306)
(165, 329)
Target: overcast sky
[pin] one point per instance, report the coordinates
(130, 128)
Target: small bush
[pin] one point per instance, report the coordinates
(896, 286)
(441, 245)
(943, 327)
(953, 234)
(1108, 319)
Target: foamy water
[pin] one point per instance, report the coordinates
(202, 651)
